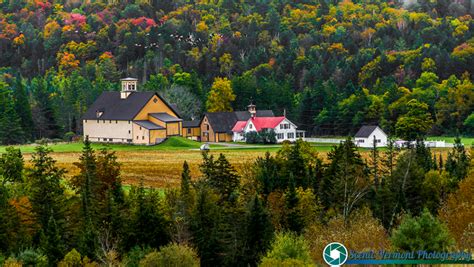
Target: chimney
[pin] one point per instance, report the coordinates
(129, 85)
(252, 110)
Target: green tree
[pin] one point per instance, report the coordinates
(48, 202)
(222, 176)
(23, 108)
(415, 123)
(288, 249)
(10, 123)
(259, 232)
(294, 221)
(457, 163)
(86, 183)
(170, 256)
(422, 233)
(220, 96)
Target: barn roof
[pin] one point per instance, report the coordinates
(191, 124)
(164, 117)
(365, 131)
(223, 122)
(113, 107)
(149, 125)
(266, 122)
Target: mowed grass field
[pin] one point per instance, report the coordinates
(160, 166)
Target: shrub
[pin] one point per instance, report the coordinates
(422, 233)
(287, 249)
(71, 259)
(170, 256)
(31, 257)
(135, 255)
(266, 136)
(68, 136)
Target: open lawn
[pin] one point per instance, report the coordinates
(160, 166)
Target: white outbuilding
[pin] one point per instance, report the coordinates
(366, 136)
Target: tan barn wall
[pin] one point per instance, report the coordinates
(173, 128)
(224, 137)
(210, 133)
(154, 134)
(118, 131)
(195, 132)
(140, 135)
(152, 107)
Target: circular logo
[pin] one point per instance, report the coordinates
(335, 254)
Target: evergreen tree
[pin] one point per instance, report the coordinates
(86, 183)
(267, 175)
(293, 221)
(47, 200)
(10, 124)
(345, 182)
(147, 225)
(259, 232)
(23, 108)
(422, 233)
(185, 179)
(43, 110)
(374, 162)
(457, 163)
(224, 179)
(206, 218)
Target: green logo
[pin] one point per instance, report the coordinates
(335, 254)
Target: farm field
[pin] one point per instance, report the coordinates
(160, 166)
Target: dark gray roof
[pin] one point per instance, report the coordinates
(245, 115)
(223, 122)
(191, 124)
(115, 108)
(149, 125)
(365, 131)
(164, 117)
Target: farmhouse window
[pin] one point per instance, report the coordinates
(129, 132)
(143, 137)
(140, 127)
(116, 121)
(98, 121)
(280, 135)
(250, 126)
(361, 141)
(291, 135)
(189, 130)
(207, 127)
(103, 121)
(137, 137)
(85, 121)
(378, 141)
(110, 139)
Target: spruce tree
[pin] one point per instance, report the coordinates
(10, 124)
(43, 110)
(185, 179)
(23, 108)
(457, 164)
(293, 220)
(86, 184)
(47, 201)
(259, 232)
(224, 179)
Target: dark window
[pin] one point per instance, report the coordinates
(189, 130)
(155, 100)
(143, 137)
(103, 121)
(110, 139)
(116, 121)
(86, 121)
(207, 126)
(129, 131)
(137, 137)
(140, 127)
(291, 135)
(98, 121)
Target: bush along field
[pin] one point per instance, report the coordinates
(281, 210)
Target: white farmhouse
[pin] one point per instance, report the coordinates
(283, 128)
(367, 134)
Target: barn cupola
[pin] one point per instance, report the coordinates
(129, 85)
(252, 110)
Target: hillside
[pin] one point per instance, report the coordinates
(332, 65)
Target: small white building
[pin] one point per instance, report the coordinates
(283, 128)
(367, 134)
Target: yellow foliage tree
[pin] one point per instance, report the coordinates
(458, 213)
(221, 96)
(354, 235)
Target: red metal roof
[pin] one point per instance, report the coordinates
(239, 126)
(266, 122)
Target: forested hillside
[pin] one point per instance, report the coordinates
(331, 65)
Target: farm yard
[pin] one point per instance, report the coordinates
(160, 166)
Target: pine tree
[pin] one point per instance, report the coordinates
(23, 108)
(86, 183)
(457, 163)
(293, 220)
(224, 179)
(43, 110)
(374, 162)
(10, 124)
(47, 200)
(185, 179)
(259, 232)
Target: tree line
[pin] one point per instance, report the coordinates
(280, 210)
(333, 65)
